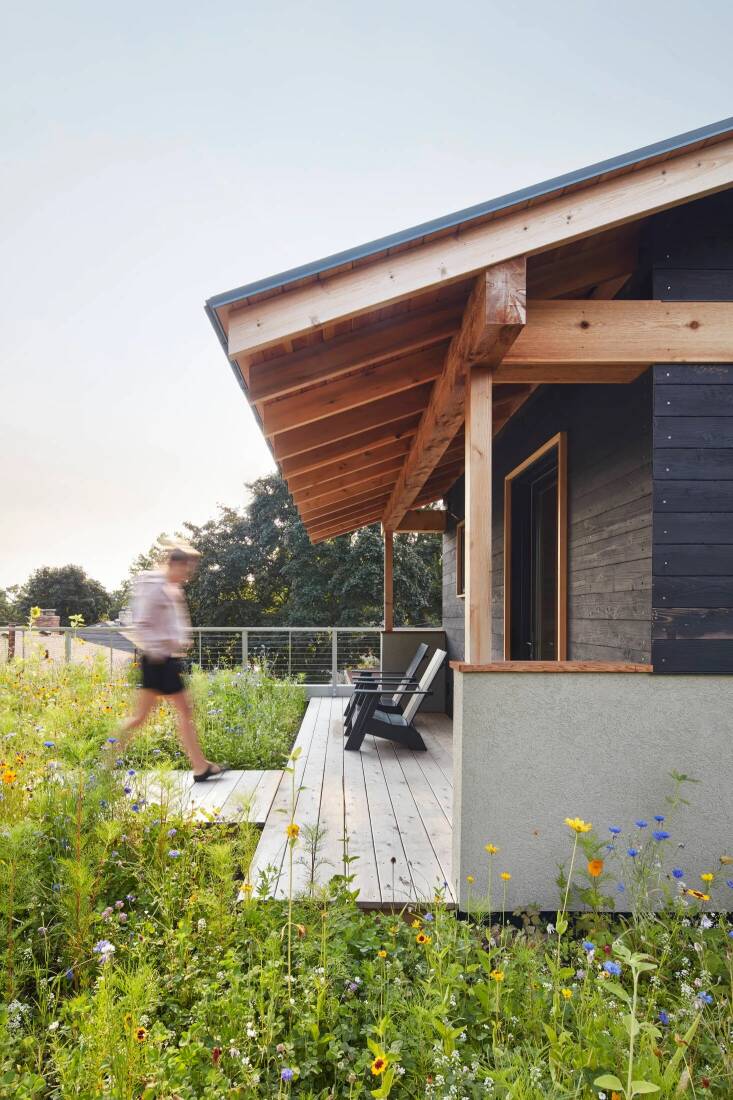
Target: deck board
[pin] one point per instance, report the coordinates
(237, 796)
(394, 805)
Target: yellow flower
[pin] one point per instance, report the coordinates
(567, 993)
(491, 849)
(497, 975)
(578, 825)
(505, 875)
(378, 1066)
(416, 923)
(248, 888)
(470, 880)
(292, 830)
(141, 1034)
(9, 776)
(707, 877)
(422, 938)
(595, 867)
(382, 954)
(35, 613)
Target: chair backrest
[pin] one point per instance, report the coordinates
(426, 680)
(410, 672)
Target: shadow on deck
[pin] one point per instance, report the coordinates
(393, 805)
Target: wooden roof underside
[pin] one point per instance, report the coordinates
(340, 369)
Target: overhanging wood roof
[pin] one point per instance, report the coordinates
(339, 358)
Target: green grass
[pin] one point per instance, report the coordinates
(136, 962)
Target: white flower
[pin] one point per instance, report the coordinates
(53, 1026)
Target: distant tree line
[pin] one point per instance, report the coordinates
(258, 568)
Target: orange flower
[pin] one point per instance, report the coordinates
(9, 776)
(595, 867)
(698, 894)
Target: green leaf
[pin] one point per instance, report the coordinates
(639, 1087)
(631, 1025)
(608, 1081)
(671, 1070)
(561, 924)
(617, 990)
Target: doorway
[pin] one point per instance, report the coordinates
(535, 555)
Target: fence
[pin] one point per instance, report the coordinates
(317, 656)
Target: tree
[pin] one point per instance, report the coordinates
(66, 588)
(258, 568)
(8, 605)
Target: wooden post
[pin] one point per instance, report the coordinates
(388, 581)
(478, 515)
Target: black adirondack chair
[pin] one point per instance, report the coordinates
(397, 726)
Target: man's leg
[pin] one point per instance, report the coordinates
(145, 701)
(187, 731)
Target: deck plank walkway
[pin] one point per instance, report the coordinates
(237, 796)
(391, 804)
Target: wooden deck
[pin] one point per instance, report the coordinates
(393, 805)
(237, 796)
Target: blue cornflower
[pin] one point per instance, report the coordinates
(659, 818)
(706, 998)
(49, 744)
(641, 824)
(172, 832)
(610, 847)
(614, 829)
(69, 975)
(663, 1018)
(730, 935)
(729, 882)
(633, 852)
(677, 872)
(428, 917)
(112, 740)
(621, 888)
(135, 808)
(174, 853)
(131, 771)
(286, 1074)
(660, 834)
(127, 790)
(589, 947)
(612, 968)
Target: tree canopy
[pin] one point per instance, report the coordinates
(259, 568)
(68, 589)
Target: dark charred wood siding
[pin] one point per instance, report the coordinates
(691, 256)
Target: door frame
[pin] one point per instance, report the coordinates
(559, 441)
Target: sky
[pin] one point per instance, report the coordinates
(152, 155)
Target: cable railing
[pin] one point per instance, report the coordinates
(312, 655)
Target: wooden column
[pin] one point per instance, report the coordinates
(478, 515)
(388, 581)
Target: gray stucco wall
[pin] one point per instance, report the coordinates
(609, 434)
(532, 749)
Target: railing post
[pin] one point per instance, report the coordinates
(334, 660)
(201, 664)
(245, 649)
(290, 654)
(67, 646)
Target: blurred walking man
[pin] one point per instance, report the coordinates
(161, 630)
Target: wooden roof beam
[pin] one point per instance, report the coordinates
(590, 333)
(329, 359)
(352, 390)
(423, 520)
(493, 318)
(566, 217)
(340, 450)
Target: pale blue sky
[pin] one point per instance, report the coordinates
(155, 154)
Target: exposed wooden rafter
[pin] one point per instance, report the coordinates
(492, 320)
(423, 520)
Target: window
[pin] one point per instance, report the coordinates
(461, 559)
(535, 556)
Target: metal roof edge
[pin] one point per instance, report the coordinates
(448, 221)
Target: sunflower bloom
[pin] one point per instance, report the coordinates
(595, 867)
(292, 830)
(378, 1066)
(421, 938)
(578, 825)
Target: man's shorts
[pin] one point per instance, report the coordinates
(163, 676)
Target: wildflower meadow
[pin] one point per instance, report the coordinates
(139, 960)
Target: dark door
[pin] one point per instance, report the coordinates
(534, 562)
